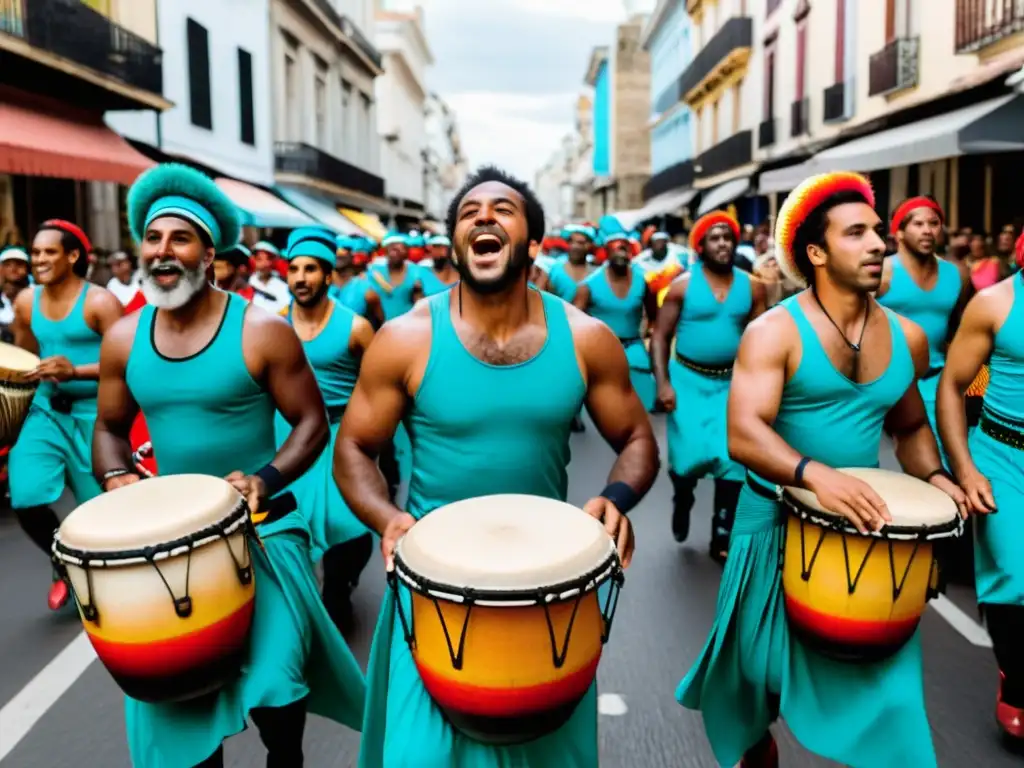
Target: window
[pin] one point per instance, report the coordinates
(898, 19)
(736, 90)
(347, 131)
(840, 41)
(200, 103)
(714, 121)
(369, 126)
(801, 59)
(320, 106)
(245, 102)
(769, 83)
(291, 98)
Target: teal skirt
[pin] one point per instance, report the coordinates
(403, 727)
(697, 442)
(53, 449)
(929, 390)
(320, 502)
(640, 374)
(998, 562)
(859, 715)
(295, 650)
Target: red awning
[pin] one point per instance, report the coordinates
(67, 144)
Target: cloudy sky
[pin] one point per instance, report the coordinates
(511, 70)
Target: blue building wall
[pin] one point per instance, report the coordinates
(602, 122)
(671, 49)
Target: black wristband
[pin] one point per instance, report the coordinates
(798, 473)
(272, 478)
(621, 495)
(941, 471)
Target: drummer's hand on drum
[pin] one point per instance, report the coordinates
(57, 369)
(119, 481)
(251, 487)
(666, 399)
(954, 491)
(848, 496)
(395, 529)
(616, 524)
(979, 492)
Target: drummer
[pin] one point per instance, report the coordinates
(990, 467)
(814, 382)
(466, 369)
(56, 441)
(705, 310)
(334, 339)
(209, 371)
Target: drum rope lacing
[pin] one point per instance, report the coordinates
(185, 545)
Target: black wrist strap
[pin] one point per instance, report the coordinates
(798, 473)
(941, 471)
(621, 495)
(272, 478)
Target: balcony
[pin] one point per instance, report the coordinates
(799, 114)
(837, 100)
(304, 160)
(979, 25)
(674, 177)
(734, 152)
(724, 54)
(70, 30)
(894, 68)
(766, 133)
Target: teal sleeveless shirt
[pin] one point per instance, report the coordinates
(206, 414)
(72, 338)
(929, 309)
(561, 284)
(399, 300)
(432, 284)
(709, 330)
(827, 416)
(624, 315)
(478, 429)
(352, 294)
(1005, 393)
(334, 366)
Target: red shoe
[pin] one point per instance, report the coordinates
(764, 754)
(59, 594)
(1011, 719)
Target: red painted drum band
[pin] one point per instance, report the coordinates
(15, 392)
(164, 583)
(859, 597)
(506, 627)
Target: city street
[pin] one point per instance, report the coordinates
(75, 712)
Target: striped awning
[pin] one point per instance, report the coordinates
(260, 208)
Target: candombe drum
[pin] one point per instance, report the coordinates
(161, 573)
(859, 597)
(506, 627)
(15, 392)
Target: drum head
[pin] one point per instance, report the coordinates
(913, 504)
(506, 542)
(149, 512)
(16, 359)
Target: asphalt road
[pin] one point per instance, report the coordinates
(666, 610)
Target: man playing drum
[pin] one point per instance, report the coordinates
(815, 381)
(488, 377)
(209, 370)
(62, 319)
(990, 467)
(706, 310)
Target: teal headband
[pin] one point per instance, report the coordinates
(440, 240)
(394, 238)
(185, 208)
(266, 247)
(314, 243)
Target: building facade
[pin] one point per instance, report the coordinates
(445, 167)
(402, 96)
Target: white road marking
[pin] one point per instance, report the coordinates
(44, 690)
(974, 633)
(611, 704)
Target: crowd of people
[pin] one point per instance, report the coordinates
(331, 369)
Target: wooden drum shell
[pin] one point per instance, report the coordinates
(15, 392)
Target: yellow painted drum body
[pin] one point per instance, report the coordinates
(506, 627)
(980, 383)
(161, 573)
(857, 597)
(15, 393)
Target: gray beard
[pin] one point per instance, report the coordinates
(191, 283)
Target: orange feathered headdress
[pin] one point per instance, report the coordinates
(801, 202)
(709, 220)
(910, 204)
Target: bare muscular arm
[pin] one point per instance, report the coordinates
(102, 310)
(665, 328)
(966, 293)
(374, 308)
(116, 409)
(542, 281)
(650, 303)
(22, 325)
(582, 298)
(759, 299)
(361, 336)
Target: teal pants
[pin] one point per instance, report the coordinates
(698, 445)
(52, 451)
(640, 374)
(998, 558)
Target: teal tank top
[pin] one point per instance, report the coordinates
(478, 429)
(1005, 393)
(561, 284)
(334, 366)
(399, 300)
(709, 330)
(206, 414)
(624, 315)
(929, 309)
(352, 294)
(827, 416)
(72, 338)
(432, 283)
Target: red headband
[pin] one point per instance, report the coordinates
(71, 229)
(709, 220)
(911, 204)
(1018, 249)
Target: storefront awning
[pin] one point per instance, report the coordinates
(784, 179)
(259, 208)
(723, 194)
(987, 127)
(367, 222)
(320, 208)
(72, 145)
(662, 205)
